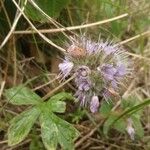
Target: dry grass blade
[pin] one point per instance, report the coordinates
(2, 88)
(34, 28)
(47, 83)
(138, 56)
(73, 27)
(18, 15)
(58, 25)
(57, 88)
(78, 143)
(6, 14)
(25, 60)
(134, 37)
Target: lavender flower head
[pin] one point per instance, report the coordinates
(99, 68)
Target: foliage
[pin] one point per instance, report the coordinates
(50, 7)
(20, 60)
(54, 130)
(131, 108)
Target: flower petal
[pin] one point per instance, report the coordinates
(66, 68)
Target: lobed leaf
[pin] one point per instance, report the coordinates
(21, 125)
(107, 124)
(55, 130)
(48, 131)
(62, 96)
(21, 95)
(137, 126)
(56, 106)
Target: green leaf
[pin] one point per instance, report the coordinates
(67, 133)
(21, 95)
(36, 143)
(113, 121)
(50, 7)
(105, 108)
(48, 131)
(137, 126)
(107, 124)
(21, 125)
(120, 125)
(129, 102)
(62, 96)
(55, 130)
(56, 106)
(133, 110)
(77, 115)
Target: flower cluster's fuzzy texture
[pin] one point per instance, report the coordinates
(99, 67)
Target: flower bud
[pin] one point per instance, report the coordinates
(94, 104)
(130, 129)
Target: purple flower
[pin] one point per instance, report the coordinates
(114, 84)
(121, 70)
(84, 86)
(108, 71)
(92, 47)
(83, 101)
(109, 74)
(81, 97)
(83, 71)
(100, 71)
(106, 94)
(82, 78)
(112, 75)
(66, 68)
(94, 104)
(110, 49)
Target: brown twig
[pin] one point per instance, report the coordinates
(57, 88)
(78, 143)
(43, 85)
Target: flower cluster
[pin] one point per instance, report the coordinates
(99, 68)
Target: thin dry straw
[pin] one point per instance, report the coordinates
(134, 37)
(40, 34)
(53, 21)
(17, 17)
(43, 36)
(73, 27)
